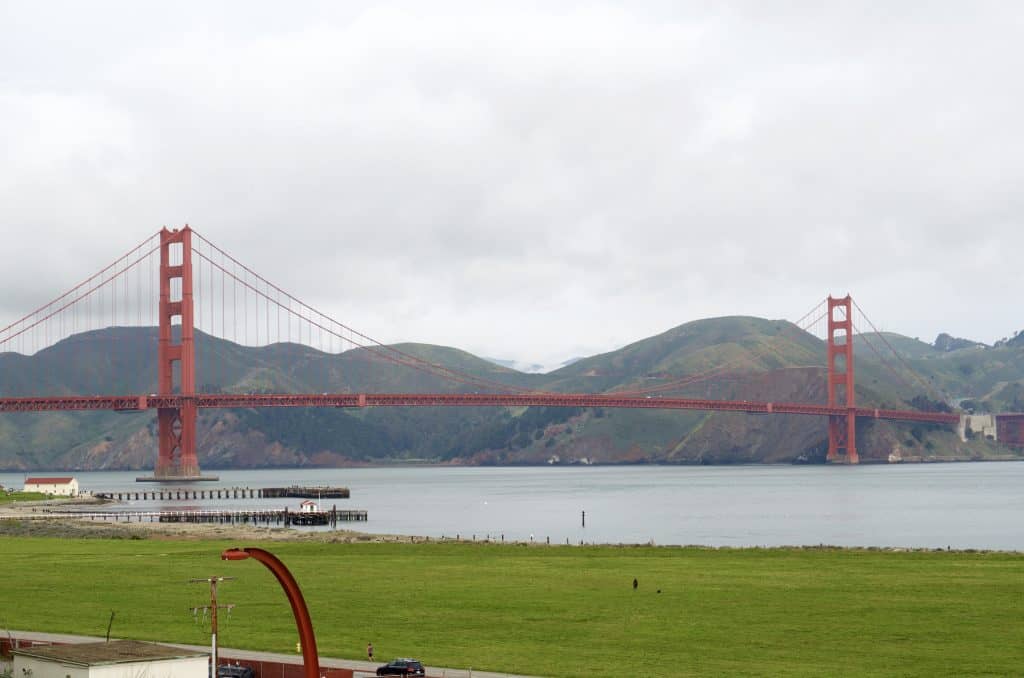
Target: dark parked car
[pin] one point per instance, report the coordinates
(235, 671)
(402, 667)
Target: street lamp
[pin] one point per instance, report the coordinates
(310, 659)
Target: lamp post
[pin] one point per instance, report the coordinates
(310, 658)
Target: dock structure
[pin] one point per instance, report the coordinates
(253, 517)
(315, 492)
(188, 493)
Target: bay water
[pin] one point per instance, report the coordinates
(961, 506)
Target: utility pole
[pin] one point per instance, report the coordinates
(213, 614)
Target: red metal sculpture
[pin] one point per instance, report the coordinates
(310, 658)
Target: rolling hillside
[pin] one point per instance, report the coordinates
(747, 358)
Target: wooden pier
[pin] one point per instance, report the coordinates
(188, 493)
(316, 492)
(255, 517)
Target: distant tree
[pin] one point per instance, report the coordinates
(926, 404)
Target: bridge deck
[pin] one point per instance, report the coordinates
(222, 400)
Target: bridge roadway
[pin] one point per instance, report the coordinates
(227, 400)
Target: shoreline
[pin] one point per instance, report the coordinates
(24, 520)
(30, 521)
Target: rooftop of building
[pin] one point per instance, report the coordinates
(114, 652)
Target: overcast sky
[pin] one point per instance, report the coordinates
(532, 181)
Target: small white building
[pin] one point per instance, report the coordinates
(116, 659)
(309, 507)
(64, 486)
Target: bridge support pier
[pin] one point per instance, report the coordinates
(842, 429)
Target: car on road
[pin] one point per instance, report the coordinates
(402, 667)
(235, 671)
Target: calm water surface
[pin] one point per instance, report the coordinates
(973, 505)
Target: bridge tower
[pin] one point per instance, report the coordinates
(842, 428)
(177, 426)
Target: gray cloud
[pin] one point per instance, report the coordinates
(530, 182)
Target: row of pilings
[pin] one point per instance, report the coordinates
(184, 493)
(254, 517)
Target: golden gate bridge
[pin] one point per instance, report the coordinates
(198, 286)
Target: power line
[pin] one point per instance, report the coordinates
(212, 610)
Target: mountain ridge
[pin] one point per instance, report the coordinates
(763, 360)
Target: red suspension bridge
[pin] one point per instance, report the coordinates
(198, 286)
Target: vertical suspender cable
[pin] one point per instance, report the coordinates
(224, 325)
(197, 311)
(223, 298)
(209, 371)
(150, 331)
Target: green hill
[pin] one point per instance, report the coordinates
(736, 358)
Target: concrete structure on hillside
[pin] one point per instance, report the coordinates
(978, 424)
(116, 659)
(64, 486)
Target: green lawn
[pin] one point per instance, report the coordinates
(557, 611)
(8, 497)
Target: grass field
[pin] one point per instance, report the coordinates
(553, 611)
(10, 497)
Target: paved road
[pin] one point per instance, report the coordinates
(368, 668)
